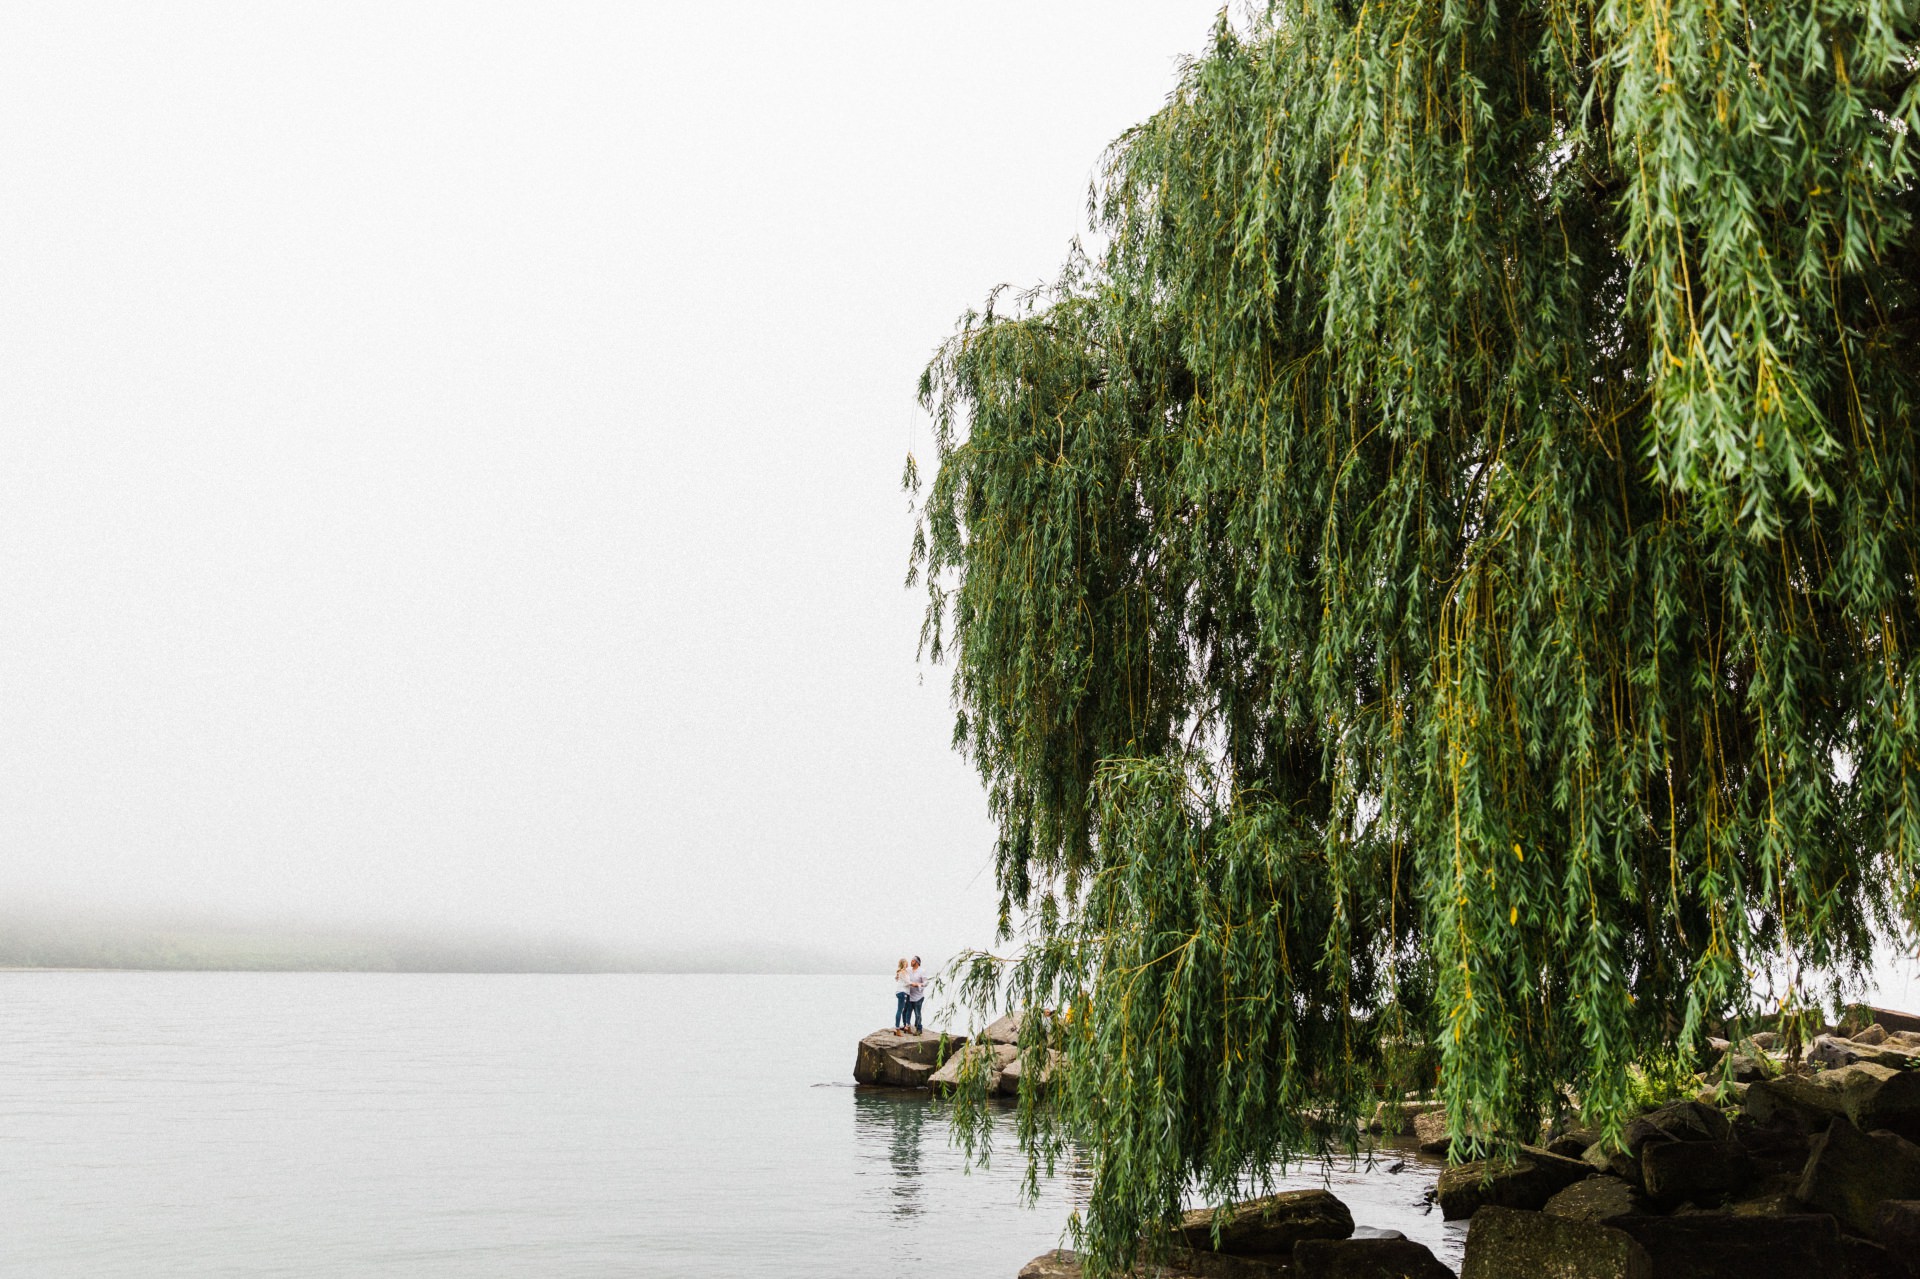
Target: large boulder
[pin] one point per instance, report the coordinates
(1430, 1131)
(1850, 1173)
(1722, 1094)
(1780, 1149)
(1504, 1243)
(1528, 1181)
(990, 1057)
(902, 1061)
(1268, 1227)
(1004, 1031)
(1376, 1258)
(1596, 1199)
(1832, 1050)
(1016, 1072)
(1061, 1263)
(1613, 1162)
(1677, 1121)
(1573, 1143)
(1700, 1171)
(1718, 1245)
(1869, 1095)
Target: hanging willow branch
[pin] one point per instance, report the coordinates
(1433, 601)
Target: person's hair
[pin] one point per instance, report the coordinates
(916, 959)
(901, 968)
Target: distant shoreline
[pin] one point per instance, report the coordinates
(49, 941)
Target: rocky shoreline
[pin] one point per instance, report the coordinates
(1806, 1165)
(934, 1060)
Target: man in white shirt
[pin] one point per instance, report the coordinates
(916, 992)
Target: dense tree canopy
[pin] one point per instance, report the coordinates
(1436, 589)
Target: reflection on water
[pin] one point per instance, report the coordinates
(1387, 1192)
(401, 1126)
(912, 1135)
(896, 1123)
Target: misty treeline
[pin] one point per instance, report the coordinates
(1432, 596)
(159, 939)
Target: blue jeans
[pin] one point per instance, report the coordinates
(899, 1009)
(913, 1014)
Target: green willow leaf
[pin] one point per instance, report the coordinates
(1433, 600)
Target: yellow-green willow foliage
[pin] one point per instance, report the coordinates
(1433, 597)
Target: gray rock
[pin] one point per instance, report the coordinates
(1901, 1054)
(1004, 1031)
(1723, 1246)
(1723, 1094)
(1677, 1121)
(902, 1061)
(1871, 1096)
(1015, 1073)
(1533, 1177)
(1503, 1243)
(1892, 1019)
(990, 1057)
(1430, 1131)
(1268, 1227)
(1061, 1263)
(1596, 1199)
(1702, 1171)
(1612, 1163)
(1773, 1149)
(1831, 1050)
(1573, 1143)
(1872, 1035)
(1375, 1258)
(1850, 1173)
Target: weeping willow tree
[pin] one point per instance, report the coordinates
(1433, 596)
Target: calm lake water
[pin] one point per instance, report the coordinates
(208, 1124)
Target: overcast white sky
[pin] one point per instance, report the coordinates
(451, 451)
(450, 460)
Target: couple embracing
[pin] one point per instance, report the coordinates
(910, 990)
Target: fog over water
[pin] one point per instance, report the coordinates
(451, 470)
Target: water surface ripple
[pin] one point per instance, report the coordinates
(253, 1124)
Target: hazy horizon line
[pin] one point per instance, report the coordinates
(159, 940)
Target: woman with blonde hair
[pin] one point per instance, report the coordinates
(901, 975)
